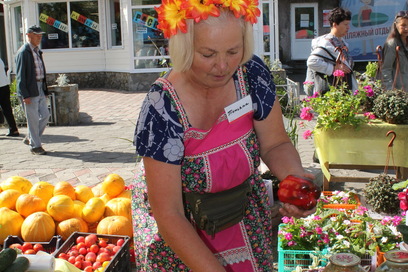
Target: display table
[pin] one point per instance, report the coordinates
(364, 147)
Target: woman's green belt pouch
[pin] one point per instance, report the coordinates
(214, 212)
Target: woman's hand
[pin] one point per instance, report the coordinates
(291, 210)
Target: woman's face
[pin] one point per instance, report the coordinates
(402, 27)
(342, 28)
(218, 52)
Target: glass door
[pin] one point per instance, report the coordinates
(304, 28)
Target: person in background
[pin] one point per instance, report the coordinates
(202, 130)
(5, 102)
(398, 37)
(321, 64)
(32, 88)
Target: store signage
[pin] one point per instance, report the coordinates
(53, 22)
(145, 19)
(84, 20)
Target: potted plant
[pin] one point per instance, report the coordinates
(379, 193)
(392, 107)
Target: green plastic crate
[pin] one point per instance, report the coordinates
(288, 260)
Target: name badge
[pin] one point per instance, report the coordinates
(239, 108)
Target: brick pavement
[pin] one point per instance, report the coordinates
(85, 153)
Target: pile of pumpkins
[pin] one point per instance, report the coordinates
(36, 212)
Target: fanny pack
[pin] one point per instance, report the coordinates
(214, 212)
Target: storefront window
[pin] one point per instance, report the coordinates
(84, 24)
(145, 2)
(266, 28)
(18, 28)
(81, 31)
(150, 47)
(53, 21)
(114, 20)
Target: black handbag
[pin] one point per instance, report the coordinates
(213, 212)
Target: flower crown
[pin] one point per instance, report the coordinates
(172, 14)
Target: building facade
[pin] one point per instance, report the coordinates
(115, 43)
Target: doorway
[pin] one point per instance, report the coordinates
(304, 22)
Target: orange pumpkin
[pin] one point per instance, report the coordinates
(119, 206)
(64, 188)
(38, 227)
(83, 193)
(27, 204)
(67, 227)
(18, 183)
(60, 207)
(10, 223)
(115, 225)
(105, 198)
(43, 189)
(78, 206)
(9, 197)
(93, 210)
(126, 193)
(97, 190)
(113, 185)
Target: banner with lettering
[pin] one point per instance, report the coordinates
(53, 22)
(84, 20)
(370, 25)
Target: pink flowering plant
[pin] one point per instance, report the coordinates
(339, 231)
(337, 107)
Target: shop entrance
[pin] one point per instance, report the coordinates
(304, 29)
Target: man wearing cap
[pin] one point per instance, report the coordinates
(32, 88)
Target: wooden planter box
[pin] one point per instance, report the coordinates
(364, 147)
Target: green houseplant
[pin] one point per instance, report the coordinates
(392, 107)
(379, 193)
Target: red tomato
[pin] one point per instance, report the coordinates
(80, 258)
(90, 239)
(80, 245)
(78, 264)
(103, 257)
(94, 248)
(90, 256)
(88, 269)
(120, 242)
(96, 265)
(63, 256)
(86, 264)
(26, 245)
(103, 243)
(80, 239)
(38, 247)
(16, 245)
(73, 252)
(29, 251)
(83, 251)
(116, 249)
(71, 259)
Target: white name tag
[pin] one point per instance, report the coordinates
(239, 108)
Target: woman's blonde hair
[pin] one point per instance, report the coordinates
(181, 45)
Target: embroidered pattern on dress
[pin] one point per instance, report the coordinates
(233, 256)
(248, 156)
(195, 134)
(218, 148)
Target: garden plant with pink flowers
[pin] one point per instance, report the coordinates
(338, 107)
